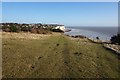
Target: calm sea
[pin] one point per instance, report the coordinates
(104, 33)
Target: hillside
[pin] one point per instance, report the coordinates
(27, 55)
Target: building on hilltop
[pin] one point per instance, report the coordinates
(61, 27)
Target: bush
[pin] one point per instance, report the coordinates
(13, 29)
(115, 39)
(33, 30)
(57, 30)
(43, 31)
(25, 29)
(6, 30)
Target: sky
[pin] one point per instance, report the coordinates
(66, 13)
(60, 0)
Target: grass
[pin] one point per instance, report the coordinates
(57, 56)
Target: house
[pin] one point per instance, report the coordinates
(61, 27)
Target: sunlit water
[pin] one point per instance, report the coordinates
(104, 33)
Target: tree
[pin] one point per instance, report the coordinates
(97, 38)
(115, 39)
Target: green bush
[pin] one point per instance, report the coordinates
(115, 39)
(57, 30)
(13, 29)
(25, 29)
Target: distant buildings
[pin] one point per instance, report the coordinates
(61, 27)
(28, 27)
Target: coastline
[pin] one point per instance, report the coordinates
(104, 35)
(59, 39)
(106, 43)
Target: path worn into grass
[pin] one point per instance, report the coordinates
(58, 56)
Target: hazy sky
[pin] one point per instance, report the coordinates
(67, 13)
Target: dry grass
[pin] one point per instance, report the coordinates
(56, 56)
(27, 35)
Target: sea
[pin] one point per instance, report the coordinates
(104, 33)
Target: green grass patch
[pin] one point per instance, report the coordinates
(57, 57)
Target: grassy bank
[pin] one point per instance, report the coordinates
(56, 56)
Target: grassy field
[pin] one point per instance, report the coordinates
(57, 56)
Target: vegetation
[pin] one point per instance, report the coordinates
(115, 39)
(34, 28)
(40, 31)
(57, 56)
(57, 30)
(13, 29)
(97, 38)
(25, 29)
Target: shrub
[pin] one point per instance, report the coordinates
(6, 29)
(33, 30)
(25, 29)
(57, 30)
(97, 38)
(43, 31)
(115, 39)
(13, 29)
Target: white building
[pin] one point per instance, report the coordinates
(60, 27)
